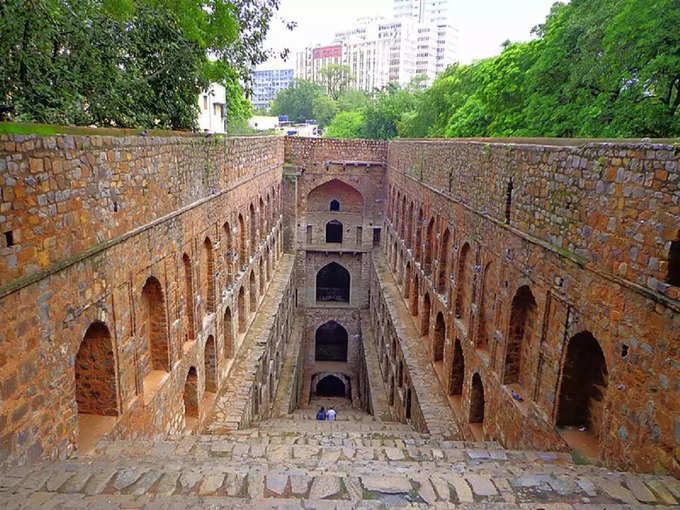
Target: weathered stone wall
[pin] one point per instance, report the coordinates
(584, 253)
(175, 225)
(63, 195)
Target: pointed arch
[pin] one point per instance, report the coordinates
(476, 400)
(252, 288)
(425, 324)
(415, 294)
(407, 279)
(457, 370)
(331, 342)
(583, 385)
(333, 284)
(153, 328)
(210, 364)
(242, 243)
(463, 279)
(95, 373)
(409, 228)
(439, 339)
(242, 318)
(320, 198)
(190, 398)
(189, 297)
(261, 218)
(261, 276)
(209, 265)
(419, 235)
(253, 229)
(228, 326)
(229, 253)
(522, 319)
(443, 262)
(429, 246)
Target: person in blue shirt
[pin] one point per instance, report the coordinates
(321, 415)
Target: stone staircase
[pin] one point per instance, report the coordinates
(295, 461)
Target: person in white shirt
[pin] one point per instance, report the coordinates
(330, 414)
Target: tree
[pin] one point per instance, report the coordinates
(297, 101)
(335, 78)
(381, 119)
(324, 109)
(126, 63)
(346, 125)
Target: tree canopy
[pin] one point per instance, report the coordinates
(297, 101)
(127, 63)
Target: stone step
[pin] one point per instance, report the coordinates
(182, 483)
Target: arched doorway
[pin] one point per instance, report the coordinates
(583, 386)
(242, 310)
(462, 283)
(476, 400)
(332, 284)
(261, 274)
(334, 232)
(415, 295)
(228, 334)
(229, 253)
(331, 342)
(425, 324)
(331, 386)
(189, 297)
(95, 378)
(253, 229)
(457, 370)
(443, 263)
(210, 362)
(155, 359)
(242, 248)
(439, 339)
(252, 288)
(522, 317)
(429, 246)
(191, 400)
(209, 264)
(407, 279)
(487, 298)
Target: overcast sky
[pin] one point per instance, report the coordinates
(482, 24)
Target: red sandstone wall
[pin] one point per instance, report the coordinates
(62, 195)
(45, 317)
(589, 232)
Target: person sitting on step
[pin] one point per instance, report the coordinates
(321, 415)
(330, 415)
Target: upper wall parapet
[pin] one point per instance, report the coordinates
(613, 205)
(65, 194)
(320, 153)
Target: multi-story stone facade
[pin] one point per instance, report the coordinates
(525, 292)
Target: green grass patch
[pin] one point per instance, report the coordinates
(580, 458)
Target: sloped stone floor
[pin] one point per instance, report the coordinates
(358, 461)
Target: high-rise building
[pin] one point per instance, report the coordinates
(266, 84)
(418, 41)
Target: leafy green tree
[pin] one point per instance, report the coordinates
(346, 125)
(126, 63)
(353, 100)
(324, 109)
(335, 79)
(382, 118)
(297, 101)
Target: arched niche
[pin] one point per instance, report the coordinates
(319, 198)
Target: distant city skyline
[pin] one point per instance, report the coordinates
(482, 25)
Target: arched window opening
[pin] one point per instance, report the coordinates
(262, 280)
(429, 244)
(253, 292)
(209, 264)
(462, 283)
(332, 284)
(335, 205)
(242, 310)
(229, 254)
(191, 400)
(508, 200)
(334, 231)
(210, 362)
(253, 229)
(261, 215)
(486, 302)
(522, 317)
(457, 370)
(439, 339)
(443, 263)
(415, 295)
(153, 327)
(674, 263)
(419, 235)
(583, 386)
(425, 325)
(409, 228)
(242, 248)
(331, 342)
(95, 377)
(331, 386)
(407, 279)
(476, 400)
(228, 334)
(189, 297)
